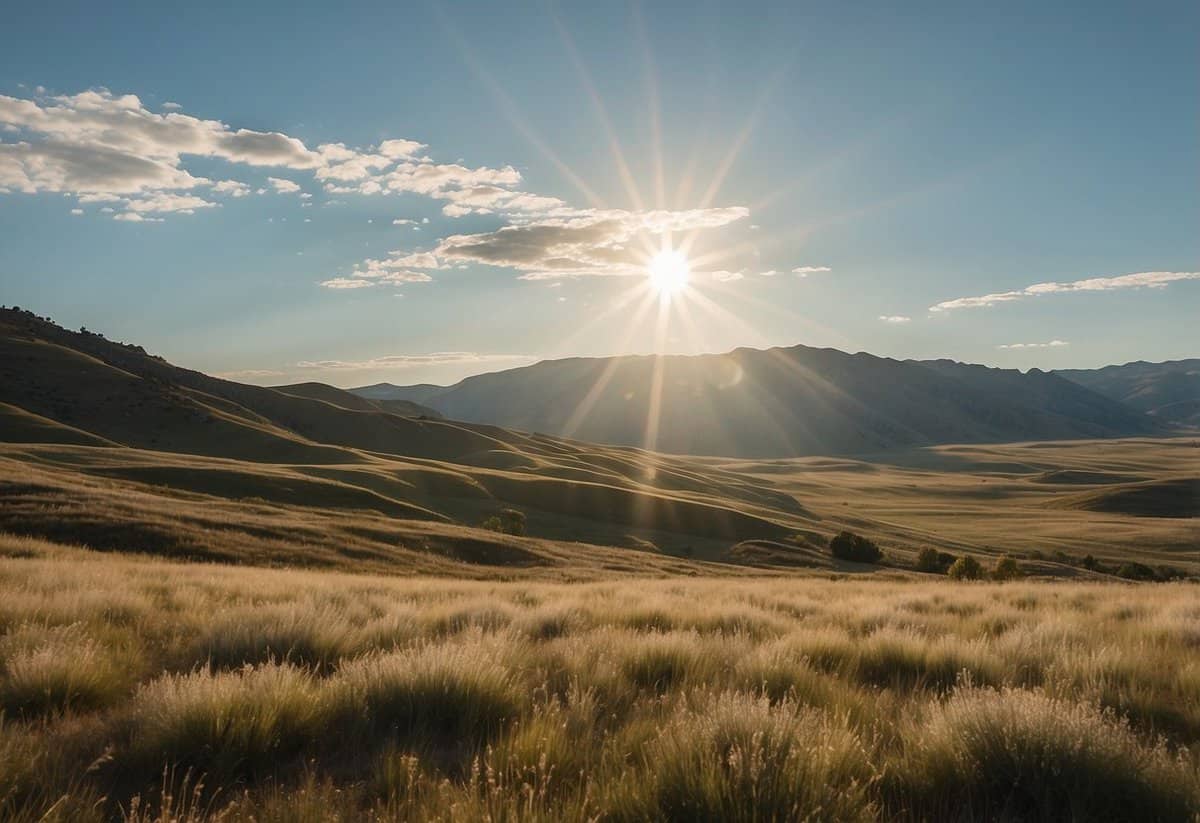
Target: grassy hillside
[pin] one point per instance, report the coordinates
(1049, 504)
(152, 691)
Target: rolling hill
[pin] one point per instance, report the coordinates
(779, 402)
(106, 446)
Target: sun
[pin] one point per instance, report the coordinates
(668, 272)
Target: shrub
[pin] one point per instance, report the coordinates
(43, 671)
(226, 724)
(1135, 571)
(739, 758)
(513, 521)
(508, 521)
(1019, 755)
(445, 694)
(1007, 568)
(850, 546)
(966, 568)
(933, 561)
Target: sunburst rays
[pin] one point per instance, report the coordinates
(686, 304)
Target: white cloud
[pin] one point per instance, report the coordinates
(894, 318)
(409, 361)
(167, 202)
(805, 271)
(346, 283)
(136, 217)
(405, 277)
(726, 276)
(234, 188)
(76, 211)
(397, 149)
(768, 273)
(1139, 280)
(1052, 344)
(283, 185)
(99, 144)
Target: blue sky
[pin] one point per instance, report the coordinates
(1009, 184)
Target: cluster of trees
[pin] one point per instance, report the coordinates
(967, 567)
(847, 545)
(506, 521)
(1128, 570)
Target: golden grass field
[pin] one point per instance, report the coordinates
(143, 689)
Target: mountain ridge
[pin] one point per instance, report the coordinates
(784, 401)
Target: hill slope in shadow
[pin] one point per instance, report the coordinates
(1169, 391)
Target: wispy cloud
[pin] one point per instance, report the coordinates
(1139, 280)
(894, 318)
(726, 276)
(410, 361)
(1050, 344)
(249, 374)
(347, 283)
(805, 271)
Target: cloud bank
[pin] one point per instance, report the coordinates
(1139, 280)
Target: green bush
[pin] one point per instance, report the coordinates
(966, 568)
(850, 546)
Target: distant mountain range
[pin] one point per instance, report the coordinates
(1170, 391)
(748, 403)
(804, 401)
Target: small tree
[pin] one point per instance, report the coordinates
(1007, 568)
(850, 546)
(507, 521)
(966, 568)
(928, 561)
(514, 521)
(1135, 571)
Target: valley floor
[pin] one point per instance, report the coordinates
(143, 689)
